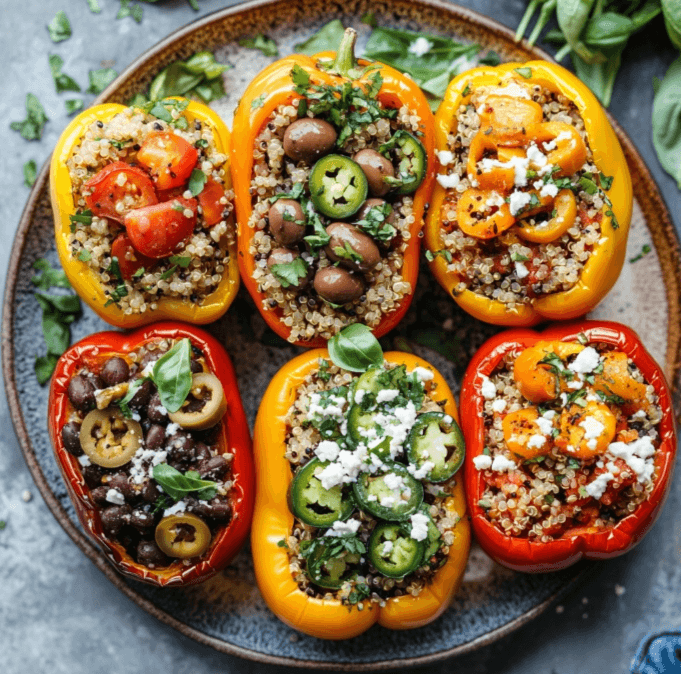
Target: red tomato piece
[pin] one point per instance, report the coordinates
(156, 231)
(117, 189)
(169, 158)
(209, 199)
(129, 260)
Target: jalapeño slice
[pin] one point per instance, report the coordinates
(314, 505)
(412, 162)
(338, 186)
(331, 570)
(375, 495)
(400, 556)
(360, 423)
(434, 540)
(440, 442)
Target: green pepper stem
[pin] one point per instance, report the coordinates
(345, 56)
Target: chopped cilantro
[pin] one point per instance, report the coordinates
(430, 255)
(290, 273)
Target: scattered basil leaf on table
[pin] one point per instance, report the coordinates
(355, 348)
(101, 79)
(327, 38)
(73, 105)
(369, 18)
(173, 376)
(128, 9)
(30, 173)
(94, 6)
(667, 121)
(60, 27)
(48, 277)
(62, 81)
(32, 127)
(265, 44)
(177, 485)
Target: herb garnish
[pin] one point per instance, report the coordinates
(32, 127)
(30, 173)
(265, 44)
(173, 376)
(430, 255)
(82, 217)
(290, 273)
(323, 372)
(644, 251)
(73, 105)
(100, 79)
(355, 349)
(197, 181)
(62, 81)
(375, 223)
(60, 27)
(178, 485)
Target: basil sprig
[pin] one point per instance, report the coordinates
(178, 485)
(355, 349)
(173, 376)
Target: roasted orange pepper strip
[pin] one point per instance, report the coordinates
(83, 278)
(565, 206)
(508, 120)
(483, 214)
(607, 257)
(273, 522)
(270, 89)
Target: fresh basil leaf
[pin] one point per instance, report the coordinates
(204, 63)
(672, 20)
(290, 273)
(327, 38)
(101, 79)
(60, 27)
(175, 80)
(49, 277)
(44, 367)
(30, 173)
(178, 485)
(62, 82)
(173, 376)
(73, 105)
(94, 6)
(265, 44)
(572, 16)
(32, 127)
(197, 181)
(369, 18)
(355, 348)
(667, 121)
(124, 402)
(600, 77)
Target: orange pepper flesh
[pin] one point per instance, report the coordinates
(273, 521)
(82, 277)
(607, 257)
(509, 121)
(475, 218)
(270, 89)
(565, 206)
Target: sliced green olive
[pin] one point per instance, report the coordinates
(205, 406)
(108, 438)
(182, 536)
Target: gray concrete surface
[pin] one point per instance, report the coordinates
(58, 614)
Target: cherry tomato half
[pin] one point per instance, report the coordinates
(129, 259)
(169, 158)
(210, 202)
(156, 231)
(117, 189)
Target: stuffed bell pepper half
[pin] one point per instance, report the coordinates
(531, 211)
(571, 444)
(143, 203)
(152, 441)
(360, 515)
(333, 165)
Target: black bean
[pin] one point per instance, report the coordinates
(213, 468)
(142, 395)
(155, 410)
(210, 435)
(120, 482)
(201, 452)
(196, 367)
(114, 518)
(70, 435)
(142, 520)
(181, 446)
(81, 393)
(148, 492)
(115, 371)
(217, 509)
(149, 554)
(92, 476)
(99, 495)
(155, 437)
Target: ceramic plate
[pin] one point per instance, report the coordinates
(227, 612)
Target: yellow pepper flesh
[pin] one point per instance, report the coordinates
(83, 278)
(273, 522)
(605, 262)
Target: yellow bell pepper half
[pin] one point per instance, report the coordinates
(273, 522)
(83, 278)
(605, 262)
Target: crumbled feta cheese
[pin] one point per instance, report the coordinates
(545, 425)
(638, 455)
(521, 270)
(586, 361)
(482, 462)
(419, 526)
(179, 507)
(171, 429)
(592, 428)
(387, 548)
(518, 201)
(495, 199)
(597, 487)
(536, 441)
(548, 190)
(575, 384)
(445, 157)
(448, 181)
(518, 164)
(114, 496)
(536, 156)
(386, 395)
(551, 145)
(84, 460)
(359, 396)
(499, 405)
(501, 464)
(513, 90)
(420, 46)
(393, 481)
(327, 450)
(549, 414)
(424, 374)
(339, 528)
(488, 389)
(422, 472)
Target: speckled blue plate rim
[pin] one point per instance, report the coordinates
(664, 237)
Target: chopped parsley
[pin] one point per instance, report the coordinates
(60, 27)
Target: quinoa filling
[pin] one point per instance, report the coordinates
(523, 208)
(581, 454)
(195, 267)
(374, 461)
(130, 449)
(325, 266)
